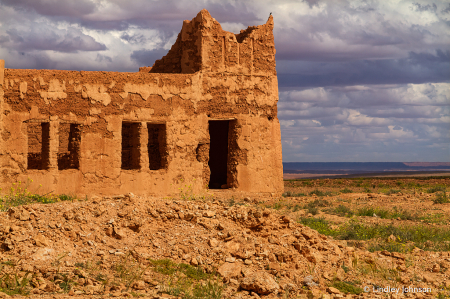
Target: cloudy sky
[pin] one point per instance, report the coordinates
(360, 81)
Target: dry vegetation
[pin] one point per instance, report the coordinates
(323, 239)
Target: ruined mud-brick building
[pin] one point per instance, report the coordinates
(204, 116)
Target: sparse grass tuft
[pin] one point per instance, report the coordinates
(129, 270)
(407, 236)
(320, 193)
(232, 202)
(188, 282)
(313, 206)
(12, 281)
(168, 267)
(386, 214)
(346, 190)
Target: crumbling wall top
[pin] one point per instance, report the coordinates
(202, 45)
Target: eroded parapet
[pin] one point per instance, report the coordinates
(203, 45)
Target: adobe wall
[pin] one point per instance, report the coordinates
(92, 124)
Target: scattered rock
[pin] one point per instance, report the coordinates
(436, 268)
(119, 233)
(332, 290)
(138, 285)
(213, 242)
(260, 282)
(392, 238)
(428, 278)
(230, 270)
(41, 241)
(194, 261)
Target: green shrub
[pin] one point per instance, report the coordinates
(436, 189)
(313, 210)
(293, 194)
(319, 224)
(441, 198)
(392, 191)
(347, 287)
(344, 211)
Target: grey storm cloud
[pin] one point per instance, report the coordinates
(147, 57)
(134, 38)
(44, 38)
(426, 7)
(416, 68)
(53, 8)
(359, 80)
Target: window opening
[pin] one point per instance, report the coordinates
(130, 146)
(69, 146)
(38, 145)
(157, 153)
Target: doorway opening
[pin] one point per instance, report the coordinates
(218, 153)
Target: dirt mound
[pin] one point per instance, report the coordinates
(120, 246)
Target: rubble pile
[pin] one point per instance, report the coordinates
(255, 251)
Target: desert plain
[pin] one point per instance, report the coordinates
(323, 238)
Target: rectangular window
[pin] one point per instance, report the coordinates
(131, 155)
(38, 145)
(69, 146)
(157, 153)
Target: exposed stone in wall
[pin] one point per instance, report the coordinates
(150, 132)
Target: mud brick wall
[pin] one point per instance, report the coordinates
(205, 116)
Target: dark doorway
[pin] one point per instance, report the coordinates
(218, 153)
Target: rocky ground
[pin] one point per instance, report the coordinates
(221, 246)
